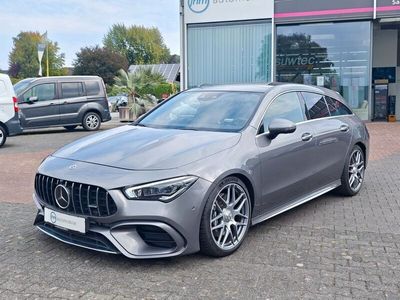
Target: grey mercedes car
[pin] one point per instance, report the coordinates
(200, 168)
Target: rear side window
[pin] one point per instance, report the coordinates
(286, 106)
(337, 108)
(43, 92)
(92, 88)
(3, 89)
(71, 89)
(316, 106)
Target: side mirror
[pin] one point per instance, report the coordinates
(280, 126)
(32, 99)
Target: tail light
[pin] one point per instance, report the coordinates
(15, 100)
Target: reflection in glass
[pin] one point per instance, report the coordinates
(333, 55)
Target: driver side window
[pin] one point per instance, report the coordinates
(286, 106)
(43, 92)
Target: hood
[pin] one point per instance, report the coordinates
(139, 148)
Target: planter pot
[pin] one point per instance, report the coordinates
(126, 115)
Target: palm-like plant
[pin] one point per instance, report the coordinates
(135, 85)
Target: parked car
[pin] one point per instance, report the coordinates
(9, 120)
(199, 169)
(118, 101)
(67, 101)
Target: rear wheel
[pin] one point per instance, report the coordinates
(353, 173)
(70, 128)
(3, 135)
(91, 121)
(226, 218)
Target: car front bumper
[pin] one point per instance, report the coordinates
(139, 229)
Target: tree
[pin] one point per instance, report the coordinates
(23, 58)
(99, 61)
(140, 45)
(137, 85)
(174, 59)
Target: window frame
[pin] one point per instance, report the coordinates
(300, 99)
(306, 108)
(68, 82)
(341, 102)
(36, 85)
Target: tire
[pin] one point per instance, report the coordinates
(3, 136)
(91, 121)
(221, 241)
(353, 173)
(70, 128)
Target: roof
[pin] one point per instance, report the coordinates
(72, 77)
(266, 87)
(169, 71)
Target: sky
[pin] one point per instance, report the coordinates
(79, 23)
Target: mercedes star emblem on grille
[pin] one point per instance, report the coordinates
(62, 196)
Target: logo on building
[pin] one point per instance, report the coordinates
(198, 6)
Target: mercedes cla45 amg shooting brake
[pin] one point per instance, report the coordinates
(199, 169)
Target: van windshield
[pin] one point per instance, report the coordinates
(20, 86)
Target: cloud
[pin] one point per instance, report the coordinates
(79, 23)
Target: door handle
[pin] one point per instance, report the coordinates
(344, 128)
(51, 103)
(306, 137)
(65, 102)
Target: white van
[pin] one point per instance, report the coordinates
(9, 120)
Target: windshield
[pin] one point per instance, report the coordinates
(215, 111)
(21, 85)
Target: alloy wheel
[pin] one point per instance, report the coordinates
(356, 170)
(230, 216)
(92, 121)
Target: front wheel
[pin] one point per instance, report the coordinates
(353, 173)
(226, 218)
(91, 121)
(3, 136)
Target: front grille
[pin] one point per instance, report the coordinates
(155, 236)
(85, 200)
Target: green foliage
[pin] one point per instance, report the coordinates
(174, 59)
(137, 86)
(99, 61)
(140, 45)
(138, 83)
(23, 58)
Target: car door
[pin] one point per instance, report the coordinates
(72, 96)
(332, 136)
(286, 161)
(39, 106)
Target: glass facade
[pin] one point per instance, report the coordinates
(232, 52)
(333, 55)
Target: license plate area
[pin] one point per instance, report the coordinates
(65, 221)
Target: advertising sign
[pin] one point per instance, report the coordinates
(40, 49)
(287, 11)
(205, 11)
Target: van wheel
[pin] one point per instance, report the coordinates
(3, 136)
(91, 121)
(70, 128)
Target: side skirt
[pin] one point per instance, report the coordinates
(296, 203)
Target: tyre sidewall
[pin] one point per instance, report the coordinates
(87, 115)
(346, 189)
(4, 136)
(207, 244)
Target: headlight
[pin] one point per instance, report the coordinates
(165, 190)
